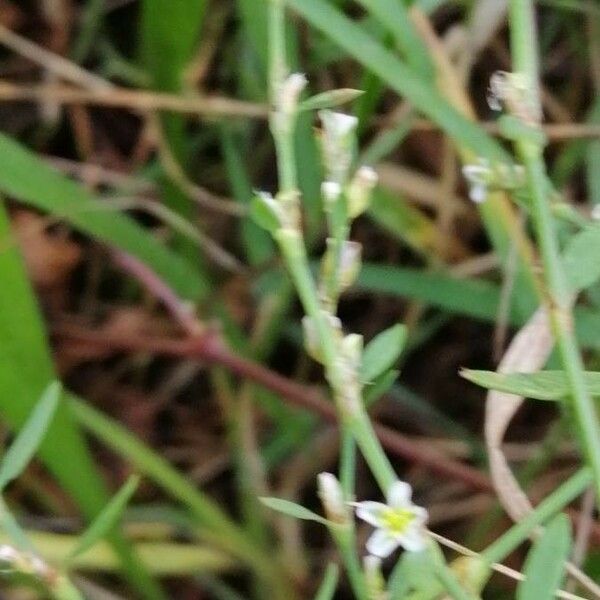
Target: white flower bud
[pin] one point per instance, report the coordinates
(352, 347)
(312, 342)
(289, 93)
(350, 261)
(338, 143)
(359, 191)
(332, 497)
(338, 125)
(331, 191)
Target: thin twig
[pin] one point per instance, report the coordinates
(53, 63)
(499, 568)
(173, 169)
(210, 348)
(136, 100)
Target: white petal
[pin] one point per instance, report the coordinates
(413, 539)
(421, 515)
(399, 494)
(381, 543)
(370, 512)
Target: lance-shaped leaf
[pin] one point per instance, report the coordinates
(26, 444)
(107, 519)
(382, 352)
(291, 509)
(544, 385)
(545, 564)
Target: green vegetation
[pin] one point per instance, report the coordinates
(208, 208)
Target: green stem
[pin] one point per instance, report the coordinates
(356, 418)
(559, 301)
(345, 541)
(283, 133)
(63, 589)
(554, 503)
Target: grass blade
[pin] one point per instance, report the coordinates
(291, 509)
(107, 518)
(28, 179)
(327, 588)
(356, 42)
(545, 385)
(25, 372)
(382, 352)
(545, 564)
(26, 444)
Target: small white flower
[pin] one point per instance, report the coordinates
(397, 523)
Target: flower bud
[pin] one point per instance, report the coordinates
(332, 497)
(359, 190)
(352, 348)
(312, 342)
(485, 176)
(513, 92)
(337, 144)
(331, 191)
(350, 261)
(289, 93)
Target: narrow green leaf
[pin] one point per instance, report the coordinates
(169, 33)
(329, 584)
(263, 211)
(26, 370)
(28, 179)
(330, 99)
(592, 151)
(382, 352)
(258, 244)
(472, 297)
(379, 386)
(395, 17)
(544, 385)
(26, 444)
(475, 298)
(404, 221)
(291, 509)
(581, 259)
(545, 564)
(107, 519)
(12, 529)
(213, 521)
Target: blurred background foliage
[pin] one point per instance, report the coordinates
(134, 133)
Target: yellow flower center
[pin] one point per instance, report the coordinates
(396, 520)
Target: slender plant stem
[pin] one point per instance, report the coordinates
(283, 135)
(555, 502)
(345, 541)
(530, 150)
